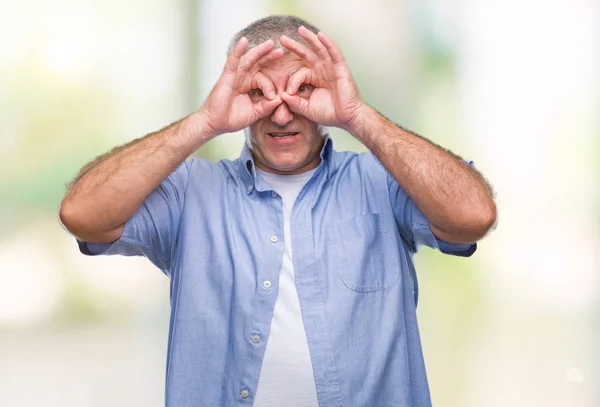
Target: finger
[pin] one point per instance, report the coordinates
(296, 103)
(255, 54)
(265, 59)
(313, 40)
(332, 49)
(263, 83)
(265, 107)
(299, 49)
(302, 75)
(233, 61)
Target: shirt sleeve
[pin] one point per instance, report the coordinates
(414, 225)
(152, 230)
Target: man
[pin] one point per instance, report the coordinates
(292, 280)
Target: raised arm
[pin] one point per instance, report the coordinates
(111, 188)
(454, 197)
(108, 190)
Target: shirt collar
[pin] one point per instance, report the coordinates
(247, 168)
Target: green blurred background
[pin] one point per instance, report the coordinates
(512, 85)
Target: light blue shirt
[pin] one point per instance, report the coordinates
(216, 229)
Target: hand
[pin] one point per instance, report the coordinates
(229, 107)
(325, 91)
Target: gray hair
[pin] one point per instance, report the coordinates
(271, 28)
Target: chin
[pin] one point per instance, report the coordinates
(286, 166)
(285, 162)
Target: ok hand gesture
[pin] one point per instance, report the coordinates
(228, 107)
(325, 91)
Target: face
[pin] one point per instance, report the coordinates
(285, 142)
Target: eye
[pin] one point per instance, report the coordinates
(305, 90)
(256, 95)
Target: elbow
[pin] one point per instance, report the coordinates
(68, 218)
(80, 224)
(483, 221)
(468, 225)
(74, 221)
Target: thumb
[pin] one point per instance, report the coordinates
(265, 107)
(296, 103)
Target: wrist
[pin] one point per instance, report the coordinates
(199, 127)
(187, 135)
(364, 122)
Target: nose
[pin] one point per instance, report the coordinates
(282, 115)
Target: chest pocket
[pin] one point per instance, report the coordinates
(366, 253)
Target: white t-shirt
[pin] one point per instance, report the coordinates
(286, 377)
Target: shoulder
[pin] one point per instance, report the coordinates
(206, 174)
(201, 168)
(353, 163)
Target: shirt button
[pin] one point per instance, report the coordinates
(267, 284)
(273, 194)
(255, 338)
(249, 187)
(244, 393)
(274, 239)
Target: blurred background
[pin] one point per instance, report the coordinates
(513, 85)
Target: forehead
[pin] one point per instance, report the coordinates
(284, 66)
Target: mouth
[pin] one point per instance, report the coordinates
(283, 135)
